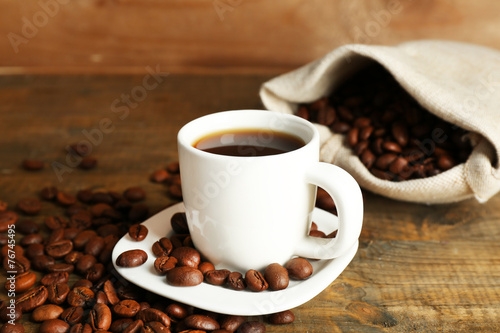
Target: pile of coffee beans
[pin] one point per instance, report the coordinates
(394, 137)
(183, 266)
(65, 280)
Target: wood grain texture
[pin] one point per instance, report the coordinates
(419, 268)
(59, 36)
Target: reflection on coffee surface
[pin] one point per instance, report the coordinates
(249, 142)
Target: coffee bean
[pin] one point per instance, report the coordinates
(277, 276)
(59, 249)
(383, 161)
(110, 292)
(8, 250)
(175, 191)
(132, 258)
(104, 197)
(27, 227)
(72, 315)
(33, 164)
(12, 328)
(31, 239)
(54, 278)
(79, 149)
(149, 315)
(80, 220)
(83, 238)
(57, 293)
(398, 165)
(353, 136)
(100, 317)
(7, 219)
(85, 262)
(81, 328)
(446, 162)
(326, 115)
(41, 262)
(299, 268)
(119, 325)
(65, 199)
(46, 312)
(126, 308)
(87, 163)
(251, 327)
(164, 263)
(4, 239)
(134, 194)
(178, 240)
(317, 233)
(138, 232)
(324, 200)
(17, 265)
(80, 296)
(55, 222)
(392, 147)
(53, 326)
(206, 266)
(368, 158)
(55, 236)
(95, 272)
(201, 322)
(73, 257)
(236, 281)
(49, 193)
(231, 322)
(186, 256)
(94, 246)
(100, 297)
(179, 223)
(32, 299)
(255, 281)
(9, 313)
(184, 276)
(22, 282)
(153, 327)
(159, 176)
(176, 311)
(29, 206)
(400, 133)
(162, 247)
(217, 277)
(280, 318)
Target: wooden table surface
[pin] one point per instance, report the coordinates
(418, 269)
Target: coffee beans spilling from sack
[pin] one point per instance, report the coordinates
(394, 137)
(64, 276)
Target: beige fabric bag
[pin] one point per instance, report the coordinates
(457, 82)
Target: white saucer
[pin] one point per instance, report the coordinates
(224, 300)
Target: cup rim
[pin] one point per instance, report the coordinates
(186, 141)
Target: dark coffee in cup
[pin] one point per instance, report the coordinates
(249, 142)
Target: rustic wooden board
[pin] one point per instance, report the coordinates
(243, 35)
(419, 268)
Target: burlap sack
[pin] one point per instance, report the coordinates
(455, 81)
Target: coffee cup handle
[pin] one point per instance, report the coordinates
(346, 194)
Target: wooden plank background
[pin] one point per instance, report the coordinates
(61, 36)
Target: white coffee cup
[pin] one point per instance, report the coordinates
(247, 212)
